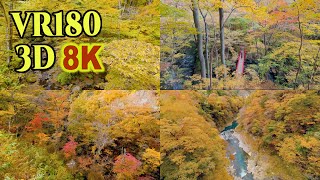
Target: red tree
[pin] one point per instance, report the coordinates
(126, 165)
(69, 148)
(36, 122)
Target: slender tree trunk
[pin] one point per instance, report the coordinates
(226, 51)
(120, 16)
(210, 67)
(9, 40)
(195, 10)
(213, 52)
(207, 47)
(216, 52)
(265, 44)
(300, 49)
(173, 38)
(173, 46)
(257, 49)
(215, 41)
(206, 29)
(222, 43)
(8, 31)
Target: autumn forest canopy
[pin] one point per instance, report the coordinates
(246, 44)
(189, 89)
(87, 135)
(279, 127)
(152, 135)
(201, 44)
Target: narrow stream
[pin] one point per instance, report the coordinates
(238, 157)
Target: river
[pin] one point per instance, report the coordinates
(238, 157)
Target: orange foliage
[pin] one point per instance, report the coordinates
(36, 122)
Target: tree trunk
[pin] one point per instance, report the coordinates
(265, 44)
(173, 37)
(299, 52)
(9, 40)
(222, 43)
(210, 68)
(206, 29)
(196, 18)
(207, 47)
(215, 42)
(257, 52)
(213, 52)
(8, 31)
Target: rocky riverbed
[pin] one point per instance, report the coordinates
(256, 165)
(245, 162)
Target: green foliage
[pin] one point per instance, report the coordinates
(267, 30)
(284, 61)
(223, 106)
(167, 11)
(64, 78)
(9, 80)
(21, 160)
(239, 23)
(177, 36)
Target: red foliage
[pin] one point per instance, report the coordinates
(126, 164)
(69, 148)
(36, 122)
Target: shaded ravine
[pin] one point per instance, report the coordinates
(180, 70)
(237, 156)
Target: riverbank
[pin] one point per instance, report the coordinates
(249, 157)
(237, 156)
(262, 164)
(256, 164)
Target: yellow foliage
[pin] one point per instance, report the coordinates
(190, 146)
(43, 137)
(132, 65)
(151, 160)
(286, 123)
